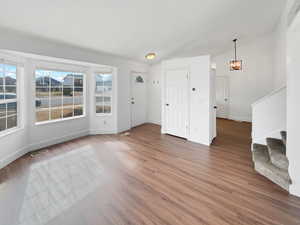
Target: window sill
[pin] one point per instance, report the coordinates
(103, 114)
(10, 131)
(59, 120)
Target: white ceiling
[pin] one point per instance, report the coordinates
(132, 28)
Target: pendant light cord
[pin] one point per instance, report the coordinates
(235, 49)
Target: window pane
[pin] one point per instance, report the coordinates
(68, 80)
(78, 110)
(10, 92)
(11, 121)
(67, 112)
(56, 113)
(78, 80)
(99, 109)
(56, 102)
(42, 78)
(10, 75)
(107, 80)
(107, 105)
(12, 108)
(1, 92)
(42, 97)
(56, 97)
(42, 115)
(99, 100)
(2, 110)
(1, 75)
(2, 123)
(107, 90)
(68, 97)
(57, 78)
(107, 109)
(10, 68)
(78, 96)
(99, 84)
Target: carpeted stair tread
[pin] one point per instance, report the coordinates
(264, 166)
(277, 152)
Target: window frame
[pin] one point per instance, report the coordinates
(17, 99)
(60, 68)
(110, 72)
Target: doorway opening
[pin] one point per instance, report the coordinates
(228, 130)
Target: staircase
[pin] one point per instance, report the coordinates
(270, 160)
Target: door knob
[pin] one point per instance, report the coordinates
(167, 104)
(215, 107)
(132, 102)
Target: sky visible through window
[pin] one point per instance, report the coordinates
(57, 75)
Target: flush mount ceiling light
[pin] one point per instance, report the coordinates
(150, 56)
(235, 64)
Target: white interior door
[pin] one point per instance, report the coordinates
(222, 96)
(176, 102)
(138, 99)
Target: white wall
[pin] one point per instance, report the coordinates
(269, 116)
(32, 136)
(280, 53)
(154, 94)
(293, 106)
(254, 81)
(280, 48)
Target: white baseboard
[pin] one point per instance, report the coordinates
(154, 122)
(43, 144)
(13, 156)
(96, 131)
(202, 142)
(240, 118)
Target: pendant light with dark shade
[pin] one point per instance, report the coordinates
(235, 64)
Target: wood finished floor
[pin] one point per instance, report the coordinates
(144, 178)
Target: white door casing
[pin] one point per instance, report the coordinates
(138, 99)
(222, 99)
(176, 102)
(214, 103)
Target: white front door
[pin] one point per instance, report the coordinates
(222, 96)
(176, 102)
(138, 99)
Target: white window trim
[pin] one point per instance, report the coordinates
(108, 71)
(17, 100)
(53, 66)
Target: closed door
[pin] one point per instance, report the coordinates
(176, 102)
(222, 96)
(138, 99)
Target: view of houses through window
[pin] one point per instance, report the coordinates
(8, 96)
(59, 95)
(103, 93)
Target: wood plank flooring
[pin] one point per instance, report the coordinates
(144, 178)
